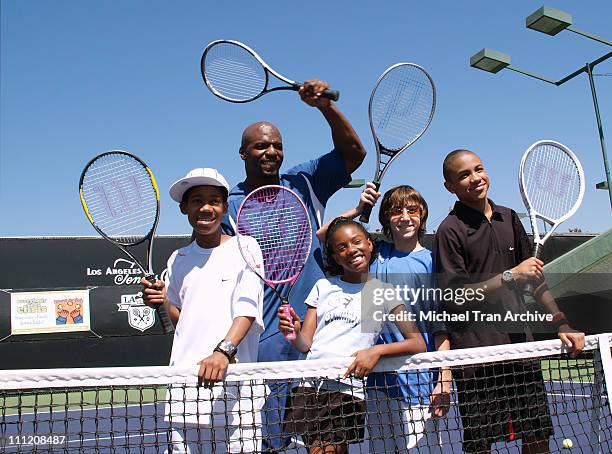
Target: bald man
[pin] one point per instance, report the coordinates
(315, 181)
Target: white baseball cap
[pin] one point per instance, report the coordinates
(202, 176)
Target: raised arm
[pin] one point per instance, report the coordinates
(369, 196)
(345, 139)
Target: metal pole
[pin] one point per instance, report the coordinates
(601, 133)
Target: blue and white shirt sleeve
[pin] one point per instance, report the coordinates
(228, 222)
(325, 175)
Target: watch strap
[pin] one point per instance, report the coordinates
(559, 319)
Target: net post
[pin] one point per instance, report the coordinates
(602, 363)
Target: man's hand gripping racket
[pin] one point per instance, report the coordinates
(274, 238)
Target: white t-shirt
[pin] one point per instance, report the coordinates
(211, 287)
(340, 328)
(340, 325)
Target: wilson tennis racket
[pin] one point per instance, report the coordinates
(121, 200)
(551, 181)
(401, 108)
(236, 73)
(277, 219)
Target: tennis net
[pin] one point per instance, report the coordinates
(526, 392)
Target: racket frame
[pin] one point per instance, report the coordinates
(148, 271)
(538, 239)
(292, 85)
(270, 283)
(381, 150)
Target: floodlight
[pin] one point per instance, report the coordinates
(490, 60)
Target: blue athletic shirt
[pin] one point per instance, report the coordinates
(414, 270)
(315, 182)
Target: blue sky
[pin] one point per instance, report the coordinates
(82, 77)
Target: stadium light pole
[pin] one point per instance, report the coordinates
(552, 21)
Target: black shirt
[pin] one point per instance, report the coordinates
(467, 249)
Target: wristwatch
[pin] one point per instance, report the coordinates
(508, 279)
(227, 348)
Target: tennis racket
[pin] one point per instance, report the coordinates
(401, 107)
(551, 181)
(277, 219)
(236, 73)
(121, 200)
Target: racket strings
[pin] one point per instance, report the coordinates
(120, 197)
(233, 72)
(552, 181)
(284, 246)
(402, 106)
(277, 220)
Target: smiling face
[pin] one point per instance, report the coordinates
(467, 179)
(403, 216)
(204, 207)
(352, 250)
(262, 151)
(404, 222)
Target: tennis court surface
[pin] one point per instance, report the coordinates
(132, 410)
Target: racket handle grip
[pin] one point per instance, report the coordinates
(287, 313)
(334, 95)
(164, 317)
(367, 211)
(365, 214)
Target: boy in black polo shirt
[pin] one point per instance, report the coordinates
(484, 247)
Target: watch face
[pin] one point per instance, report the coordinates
(227, 347)
(507, 276)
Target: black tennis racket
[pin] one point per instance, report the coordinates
(236, 73)
(277, 219)
(121, 200)
(551, 181)
(401, 107)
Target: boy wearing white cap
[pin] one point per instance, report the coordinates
(215, 302)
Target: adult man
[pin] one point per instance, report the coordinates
(315, 182)
(483, 247)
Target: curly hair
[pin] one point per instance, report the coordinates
(401, 196)
(331, 266)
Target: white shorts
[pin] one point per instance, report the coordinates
(213, 440)
(224, 419)
(394, 424)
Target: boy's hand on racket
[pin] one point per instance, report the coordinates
(368, 197)
(572, 339)
(154, 293)
(364, 362)
(311, 93)
(212, 369)
(528, 270)
(284, 323)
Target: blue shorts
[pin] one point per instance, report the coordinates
(275, 348)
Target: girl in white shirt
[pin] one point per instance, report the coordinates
(340, 321)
